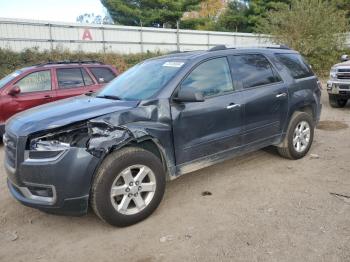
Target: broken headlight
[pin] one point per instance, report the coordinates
(51, 146)
(44, 150)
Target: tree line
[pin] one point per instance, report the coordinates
(315, 28)
(218, 15)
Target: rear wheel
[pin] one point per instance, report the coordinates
(337, 102)
(128, 186)
(299, 136)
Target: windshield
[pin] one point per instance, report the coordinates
(141, 81)
(9, 77)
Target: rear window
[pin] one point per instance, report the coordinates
(296, 65)
(253, 70)
(102, 74)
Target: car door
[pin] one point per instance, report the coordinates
(35, 89)
(264, 97)
(205, 128)
(73, 82)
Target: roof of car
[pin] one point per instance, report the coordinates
(64, 63)
(225, 50)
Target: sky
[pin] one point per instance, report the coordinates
(52, 10)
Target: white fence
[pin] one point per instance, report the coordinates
(18, 34)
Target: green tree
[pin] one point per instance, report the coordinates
(148, 12)
(234, 18)
(259, 9)
(316, 28)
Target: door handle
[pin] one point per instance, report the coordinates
(231, 106)
(47, 96)
(281, 95)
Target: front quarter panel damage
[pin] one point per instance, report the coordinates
(150, 122)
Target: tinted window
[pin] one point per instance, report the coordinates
(69, 77)
(102, 74)
(253, 70)
(87, 79)
(210, 78)
(143, 80)
(35, 82)
(296, 65)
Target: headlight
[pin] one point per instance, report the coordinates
(46, 150)
(333, 73)
(52, 145)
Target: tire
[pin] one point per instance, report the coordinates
(288, 148)
(336, 102)
(115, 171)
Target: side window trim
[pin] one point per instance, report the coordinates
(32, 72)
(197, 65)
(273, 69)
(89, 73)
(82, 71)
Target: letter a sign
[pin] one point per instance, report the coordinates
(87, 35)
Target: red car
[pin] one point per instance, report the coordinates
(44, 83)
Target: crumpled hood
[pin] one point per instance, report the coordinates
(63, 112)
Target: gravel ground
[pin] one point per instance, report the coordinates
(261, 208)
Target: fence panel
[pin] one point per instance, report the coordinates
(18, 34)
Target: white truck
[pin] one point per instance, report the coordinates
(338, 86)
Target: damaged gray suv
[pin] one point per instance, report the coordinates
(167, 116)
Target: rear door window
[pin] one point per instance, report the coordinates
(211, 78)
(35, 82)
(296, 65)
(69, 77)
(253, 70)
(102, 74)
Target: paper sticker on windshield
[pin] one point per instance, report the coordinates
(173, 64)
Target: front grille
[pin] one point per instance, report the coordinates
(344, 87)
(343, 75)
(342, 70)
(10, 142)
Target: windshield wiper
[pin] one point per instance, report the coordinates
(110, 97)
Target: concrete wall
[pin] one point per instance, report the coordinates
(18, 34)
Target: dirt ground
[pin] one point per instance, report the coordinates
(261, 208)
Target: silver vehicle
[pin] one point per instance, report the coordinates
(338, 86)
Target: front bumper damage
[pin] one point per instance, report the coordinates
(62, 184)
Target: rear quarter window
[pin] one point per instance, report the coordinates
(296, 65)
(102, 74)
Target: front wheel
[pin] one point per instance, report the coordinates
(299, 136)
(336, 102)
(128, 187)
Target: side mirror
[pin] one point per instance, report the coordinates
(344, 58)
(188, 95)
(15, 90)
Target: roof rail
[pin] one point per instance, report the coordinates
(218, 47)
(224, 47)
(63, 62)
